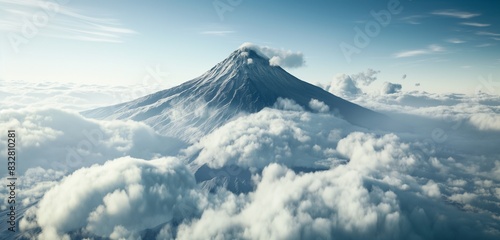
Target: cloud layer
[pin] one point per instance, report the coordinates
(307, 174)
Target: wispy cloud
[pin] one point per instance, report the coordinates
(417, 52)
(58, 21)
(217, 33)
(475, 24)
(455, 13)
(455, 40)
(496, 39)
(484, 45)
(413, 19)
(483, 33)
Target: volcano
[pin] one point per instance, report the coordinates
(245, 82)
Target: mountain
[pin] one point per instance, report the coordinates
(245, 82)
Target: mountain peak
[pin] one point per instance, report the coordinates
(244, 82)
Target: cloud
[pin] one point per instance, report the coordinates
(475, 24)
(484, 45)
(437, 178)
(455, 40)
(271, 135)
(287, 104)
(484, 33)
(107, 200)
(71, 96)
(318, 106)
(217, 33)
(65, 141)
(349, 86)
(391, 88)
(425, 51)
(366, 78)
(455, 13)
(278, 57)
(371, 196)
(485, 121)
(413, 19)
(344, 86)
(59, 21)
(431, 189)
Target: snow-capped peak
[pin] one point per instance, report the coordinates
(245, 82)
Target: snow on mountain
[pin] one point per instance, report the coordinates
(245, 82)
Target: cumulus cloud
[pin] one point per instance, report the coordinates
(287, 104)
(391, 88)
(431, 189)
(122, 196)
(366, 78)
(373, 195)
(318, 106)
(65, 141)
(309, 206)
(349, 86)
(438, 178)
(485, 121)
(278, 57)
(344, 86)
(271, 135)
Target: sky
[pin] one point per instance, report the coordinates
(433, 46)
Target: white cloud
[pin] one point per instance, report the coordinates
(439, 177)
(431, 49)
(60, 21)
(278, 57)
(318, 106)
(431, 189)
(413, 19)
(463, 198)
(344, 86)
(365, 78)
(455, 40)
(484, 33)
(108, 200)
(391, 88)
(287, 104)
(475, 24)
(485, 121)
(254, 141)
(455, 13)
(65, 141)
(485, 45)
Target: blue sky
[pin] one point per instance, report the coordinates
(444, 46)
